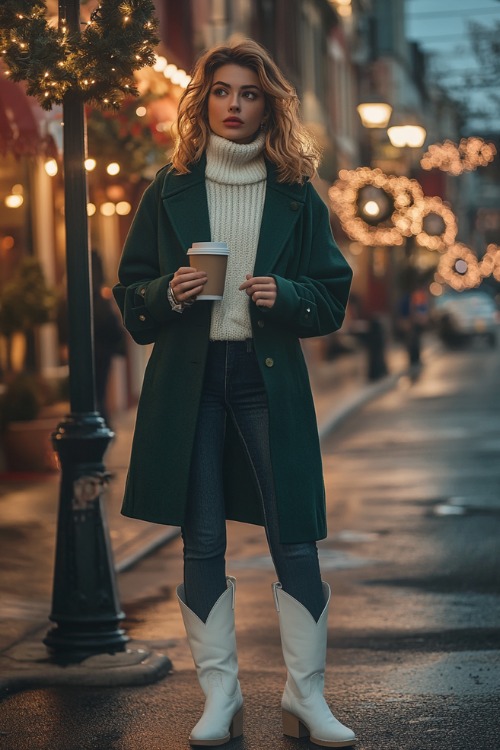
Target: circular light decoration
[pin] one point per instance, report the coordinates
(372, 206)
(459, 268)
(439, 224)
(470, 154)
(490, 262)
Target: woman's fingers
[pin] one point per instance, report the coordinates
(187, 282)
(261, 289)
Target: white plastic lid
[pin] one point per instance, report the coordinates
(214, 248)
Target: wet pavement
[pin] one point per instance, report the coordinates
(413, 486)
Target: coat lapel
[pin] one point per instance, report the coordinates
(185, 202)
(283, 206)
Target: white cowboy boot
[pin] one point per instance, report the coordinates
(305, 711)
(213, 646)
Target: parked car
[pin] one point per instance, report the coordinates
(466, 316)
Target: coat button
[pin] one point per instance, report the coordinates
(260, 323)
(294, 206)
(142, 292)
(269, 362)
(142, 318)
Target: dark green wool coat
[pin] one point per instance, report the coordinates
(313, 279)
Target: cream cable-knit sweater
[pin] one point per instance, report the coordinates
(236, 187)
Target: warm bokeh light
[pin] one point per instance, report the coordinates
(14, 201)
(470, 154)
(160, 64)
(90, 164)
(107, 209)
(436, 289)
(51, 167)
(123, 208)
(141, 111)
(113, 168)
(91, 209)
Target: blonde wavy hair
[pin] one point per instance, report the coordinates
(288, 145)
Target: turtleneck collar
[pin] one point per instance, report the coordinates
(232, 163)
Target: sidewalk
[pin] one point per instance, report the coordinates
(28, 504)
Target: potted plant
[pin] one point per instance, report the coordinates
(26, 301)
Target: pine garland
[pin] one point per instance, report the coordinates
(97, 63)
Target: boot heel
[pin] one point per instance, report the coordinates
(236, 728)
(292, 726)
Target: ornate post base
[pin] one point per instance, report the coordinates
(85, 605)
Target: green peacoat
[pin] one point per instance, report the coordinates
(313, 279)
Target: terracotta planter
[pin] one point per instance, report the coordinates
(28, 447)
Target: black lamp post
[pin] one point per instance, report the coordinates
(85, 605)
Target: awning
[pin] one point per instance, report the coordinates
(21, 133)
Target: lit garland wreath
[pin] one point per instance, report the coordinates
(433, 223)
(470, 154)
(490, 262)
(98, 63)
(402, 192)
(459, 268)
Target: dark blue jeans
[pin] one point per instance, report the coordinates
(233, 389)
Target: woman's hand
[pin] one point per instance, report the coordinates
(187, 283)
(261, 289)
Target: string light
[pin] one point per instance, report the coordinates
(82, 62)
(470, 154)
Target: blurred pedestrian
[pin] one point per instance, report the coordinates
(414, 314)
(225, 425)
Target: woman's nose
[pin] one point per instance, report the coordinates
(234, 104)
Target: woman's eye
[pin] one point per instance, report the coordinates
(219, 92)
(250, 95)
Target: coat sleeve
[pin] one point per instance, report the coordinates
(314, 303)
(141, 293)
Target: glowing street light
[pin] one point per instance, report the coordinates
(407, 135)
(374, 114)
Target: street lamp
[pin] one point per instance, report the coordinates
(86, 610)
(374, 114)
(412, 136)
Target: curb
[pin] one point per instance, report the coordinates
(355, 402)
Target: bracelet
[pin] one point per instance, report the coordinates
(175, 300)
(174, 304)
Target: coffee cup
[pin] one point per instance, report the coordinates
(210, 257)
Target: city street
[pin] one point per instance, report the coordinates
(413, 559)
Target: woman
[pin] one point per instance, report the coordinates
(226, 425)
